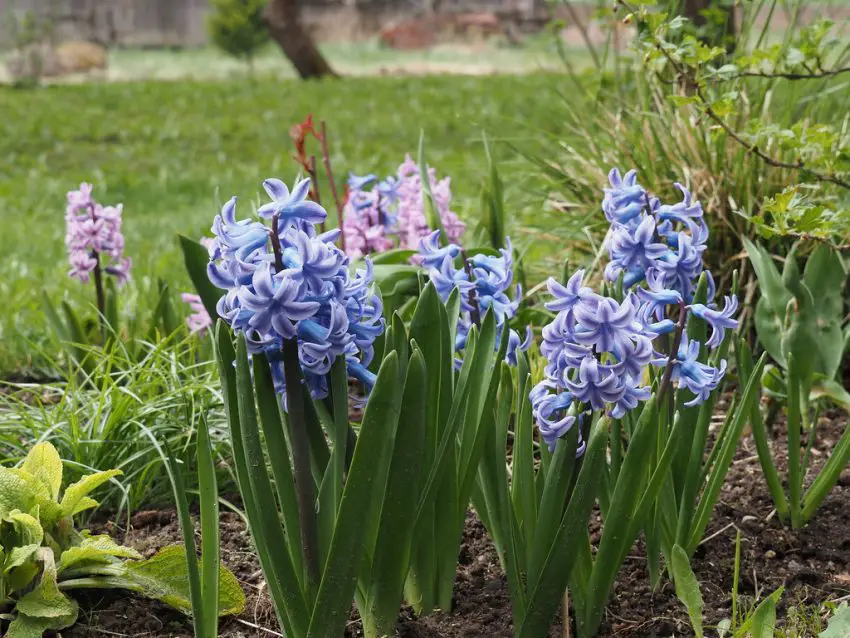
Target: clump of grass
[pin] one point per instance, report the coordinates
(106, 418)
(218, 137)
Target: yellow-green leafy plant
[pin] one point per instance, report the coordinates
(43, 556)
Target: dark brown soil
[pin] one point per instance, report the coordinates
(811, 563)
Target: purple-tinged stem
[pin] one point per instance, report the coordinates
(475, 314)
(326, 159)
(674, 350)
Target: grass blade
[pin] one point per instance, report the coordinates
(210, 540)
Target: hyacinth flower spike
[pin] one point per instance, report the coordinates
(95, 243)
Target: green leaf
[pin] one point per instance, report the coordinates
(764, 619)
(832, 390)
(46, 601)
(74, 499)
(273, 430)
(15, 494)
(493, 202)
(361, 502)
(715, 482)
(54, 319)
(44, 464)
(429, 205)
(94, 549)
(34, 627)
(546, 593)
(396, 279)
(395, 256)
(48, 509)
(29, 535)
(839, 623)
(770, 309)
(395, 535)
(687, 587)
(210, 538)
(288, 598)
(746, 630)
(265, 521)
(196, 258)
(165, 577)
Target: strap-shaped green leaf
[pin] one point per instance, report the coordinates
(210, 539)
(269, 526)
(717, 477)
(559, 479)
(196, 258)
(546, 593)
(361, 502)
(395, 535)
(615, 533)
(288, 599)
(284, 481)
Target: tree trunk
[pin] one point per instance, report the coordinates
(286, 29)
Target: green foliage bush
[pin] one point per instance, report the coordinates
(237, 27)
(753, 128)
(44, 556)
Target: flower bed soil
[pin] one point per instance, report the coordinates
(813, 564)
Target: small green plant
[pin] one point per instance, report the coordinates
(799, 321)
(238, 28)
(747, 621)
(44, 556)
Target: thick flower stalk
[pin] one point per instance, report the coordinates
(598, 349)
(94, 241)
(482, 282)
(380, 215)
(287, 284)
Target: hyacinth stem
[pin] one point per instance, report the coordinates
(300, 443)
(475, 314)
(301, 460)
(674, 350)
(326, 160)
(98, 290)
(100, 295)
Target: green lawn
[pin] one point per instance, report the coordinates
(170, 151)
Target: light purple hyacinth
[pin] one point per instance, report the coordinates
(199, 320)
(598, 348)
(381, 215)
(93, 237)
(302, 290)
